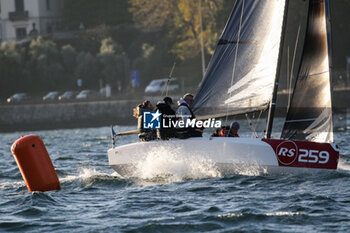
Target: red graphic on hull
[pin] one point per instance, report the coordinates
(304, 154)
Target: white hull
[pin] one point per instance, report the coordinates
(223, 155)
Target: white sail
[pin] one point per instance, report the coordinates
(259, 82)
(241, 74)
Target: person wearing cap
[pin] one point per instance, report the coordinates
(167, 117)
(234, 127)
(184, 113)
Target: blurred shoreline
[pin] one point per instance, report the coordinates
(47, 116)
(25, 117)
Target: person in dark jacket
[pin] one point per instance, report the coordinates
(168, 117)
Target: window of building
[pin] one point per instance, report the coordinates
(19, 5)
(21, 33)
(48, 5)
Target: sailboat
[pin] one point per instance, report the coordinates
(242, 77)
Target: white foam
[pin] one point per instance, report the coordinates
(84, 173)
(14, 184)
(170, 164)
(342, 165)
(250, 170)
(284, 214)
(230, 215)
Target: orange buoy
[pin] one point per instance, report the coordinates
(35, 164)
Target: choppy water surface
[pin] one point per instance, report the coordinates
(195, 199)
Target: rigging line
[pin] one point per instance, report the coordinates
(223, 42)
(171, 73)
(168, 82)
(288, 74)
(292, 69)
(236, 54)
(201, 37)
(251, 126)
(301, 120)
(248, 120)
(257, 122)
(315, 74)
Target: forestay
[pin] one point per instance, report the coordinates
(310, 114)
(240, 77)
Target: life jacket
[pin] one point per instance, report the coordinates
(192, 114)
(223, 132)
(226, 133)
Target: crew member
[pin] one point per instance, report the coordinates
(234, 127)
(184, 113)
(227, 131)
(166, 131)
(145, 134)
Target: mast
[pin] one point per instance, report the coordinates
(202, 42)
(272, 106)
(329, 45)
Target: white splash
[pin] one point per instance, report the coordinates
(172, 165)
(250, 170)
(342, 165)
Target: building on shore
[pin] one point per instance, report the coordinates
(22, 20)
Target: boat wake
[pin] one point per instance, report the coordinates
(90, 177)
(165, 166)
(249, 170)
(171, 161)
(343, 165)
(162, 163)
(84, 173)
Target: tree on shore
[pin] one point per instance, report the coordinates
(182, 21)
(114, 64)
(11, 69)
(44, 64)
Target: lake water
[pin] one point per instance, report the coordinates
(95, 199)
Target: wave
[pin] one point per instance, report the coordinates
(278, 214)
(11, 185)
(86, 173)
(91, 178)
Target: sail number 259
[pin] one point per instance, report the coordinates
(313, 156)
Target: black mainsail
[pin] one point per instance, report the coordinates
(241, 74)
(310, 114)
